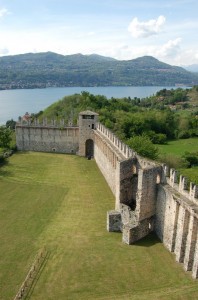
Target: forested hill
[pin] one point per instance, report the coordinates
(167, 115)
(51, 69)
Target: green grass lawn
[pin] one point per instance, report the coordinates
(176, 149)
(179, 147)
(60, 201)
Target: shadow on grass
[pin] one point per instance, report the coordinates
(148, 241)
(38, 275)
(4, 173)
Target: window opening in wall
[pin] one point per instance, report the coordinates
(134, 169)
(158, 180)
(132, 204)
(54, 149)
(87, 117)
(92, 126)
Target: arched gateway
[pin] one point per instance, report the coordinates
(89, 148)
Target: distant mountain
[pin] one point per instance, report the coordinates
(192, 68)
(34, 70)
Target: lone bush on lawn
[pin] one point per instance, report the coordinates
(191, 158)
(143, 146)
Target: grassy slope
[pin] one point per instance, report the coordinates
(60, 201)
(178, 148)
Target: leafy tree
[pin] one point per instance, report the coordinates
(11, 124)
(5, 137)
(143, 146)
(157, 138)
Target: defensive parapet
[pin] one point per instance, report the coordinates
(119, 145)
(45, 122)
(181, 185)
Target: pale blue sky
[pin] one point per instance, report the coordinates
(123, 29)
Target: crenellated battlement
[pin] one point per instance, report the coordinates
(180, 183)
(45, 122)
(126, 151)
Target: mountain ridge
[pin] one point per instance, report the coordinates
(191, 68)
(45, 69)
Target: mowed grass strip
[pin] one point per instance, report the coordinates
(61, 201)
(179, 147)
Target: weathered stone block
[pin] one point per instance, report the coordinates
(114, 222)
(132, 234)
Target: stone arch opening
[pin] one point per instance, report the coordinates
(89, 148)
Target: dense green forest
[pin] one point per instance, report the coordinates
(34, 70)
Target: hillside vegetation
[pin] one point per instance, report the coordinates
(51, 69)
(60, 202)
(141, 123)
(167, 115)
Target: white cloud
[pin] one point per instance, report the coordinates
(145, 29)
(170, 52)
(170, 49)
(3, 12)
(187, 57)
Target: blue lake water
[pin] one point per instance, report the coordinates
(14, 103)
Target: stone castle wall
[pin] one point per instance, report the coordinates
(148, 196)
(110, 155)
(106, 161)
(177, 220)
(47, 139)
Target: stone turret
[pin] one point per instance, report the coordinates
(87, 124)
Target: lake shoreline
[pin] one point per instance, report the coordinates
(95, 86)
(16, 102)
